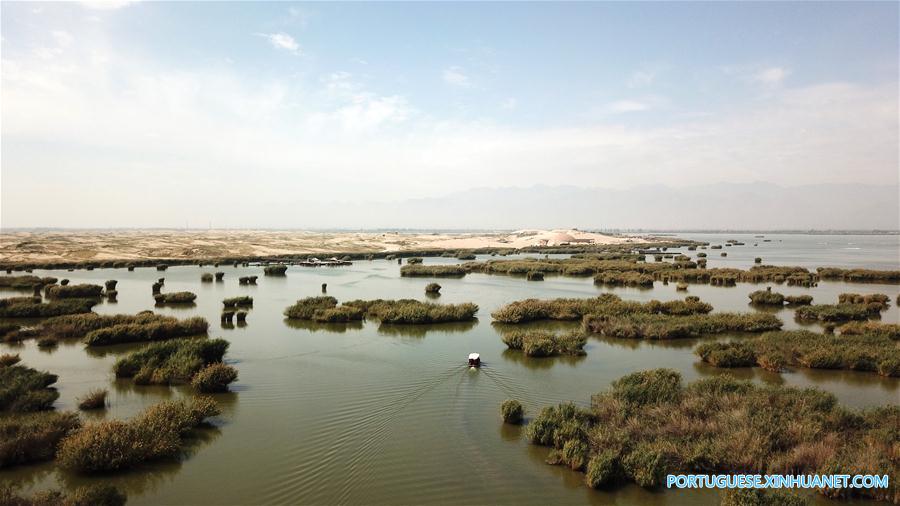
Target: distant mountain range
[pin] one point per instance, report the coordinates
(756, 206)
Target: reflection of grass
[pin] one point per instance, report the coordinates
(540, 363)
(648, 425)
(389, 329)
(314, 326)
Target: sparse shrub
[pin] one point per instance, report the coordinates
(153, 434)
(214, 378)
(95, 399)
(512, 411)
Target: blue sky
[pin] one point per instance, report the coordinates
(340, 102)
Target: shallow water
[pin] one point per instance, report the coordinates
(363, 414)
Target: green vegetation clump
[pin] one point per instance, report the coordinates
(82, 291)
(432, 271)
(536, 343)
(275, 270)
(534, 276)
(32, 438)
(206, 277)
(767, 298)
(341, 314)
(648, 425)
(858, 275)
(95, 399)
(660, 326)
(34, 309)
(158, 330)
(855, 298)
(433, 288)
(836, 312)
(76, 326)
(24, 389)
(116, 445)
(27, 281)
(869, 352)
(244, 300)
(465, 255)
(606, 304)
(414, 311)
(175, 298)
(170, 362)
(214, 378)
(304, 309)
(512, 411)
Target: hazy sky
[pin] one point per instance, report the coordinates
(157, 114)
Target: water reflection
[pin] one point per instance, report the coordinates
(405, 330)
(520, 358)
(322, 327)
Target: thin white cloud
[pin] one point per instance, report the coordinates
(283, 41)
(456, 77)
(772, 76)
(509, 104)
(623, 106)
(106, 5)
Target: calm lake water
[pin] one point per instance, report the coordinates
(369, 414)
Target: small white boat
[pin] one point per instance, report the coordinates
(474, 360)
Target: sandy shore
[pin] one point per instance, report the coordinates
(84, 245)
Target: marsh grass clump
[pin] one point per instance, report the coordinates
(25, 282)
(72, 326)
(24, 389)
(649, 425)
(8, 359)
(82, 291)
(858, 275)
(432, 271)
(47, 342)
(220, 276)
(403, 311)
(304, 309)
(95, 399)
(757, 260)
(227, 316)
(465, 255)
(414, 260)
(798, 300)
(800, 348)
(241, 316)
(534, 276)
(35, 309)
(888, 330)
(26, 439)
(660, 326)
(170, 362)
(512, 411)
(156, 330)
(275, 270)
(535, 343)
(214, 378)
(175, 298)
(243, 300)
(836, 312)
(855, 298)
(724, 254)
(116, 445)
(606, 304)
(206, 277)
(340, 314)
(156, 287)
(767, 297)
(8, 328)
(433, 288)
(681, 287)
(627, 278)
(111, 284)
(162, 267)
